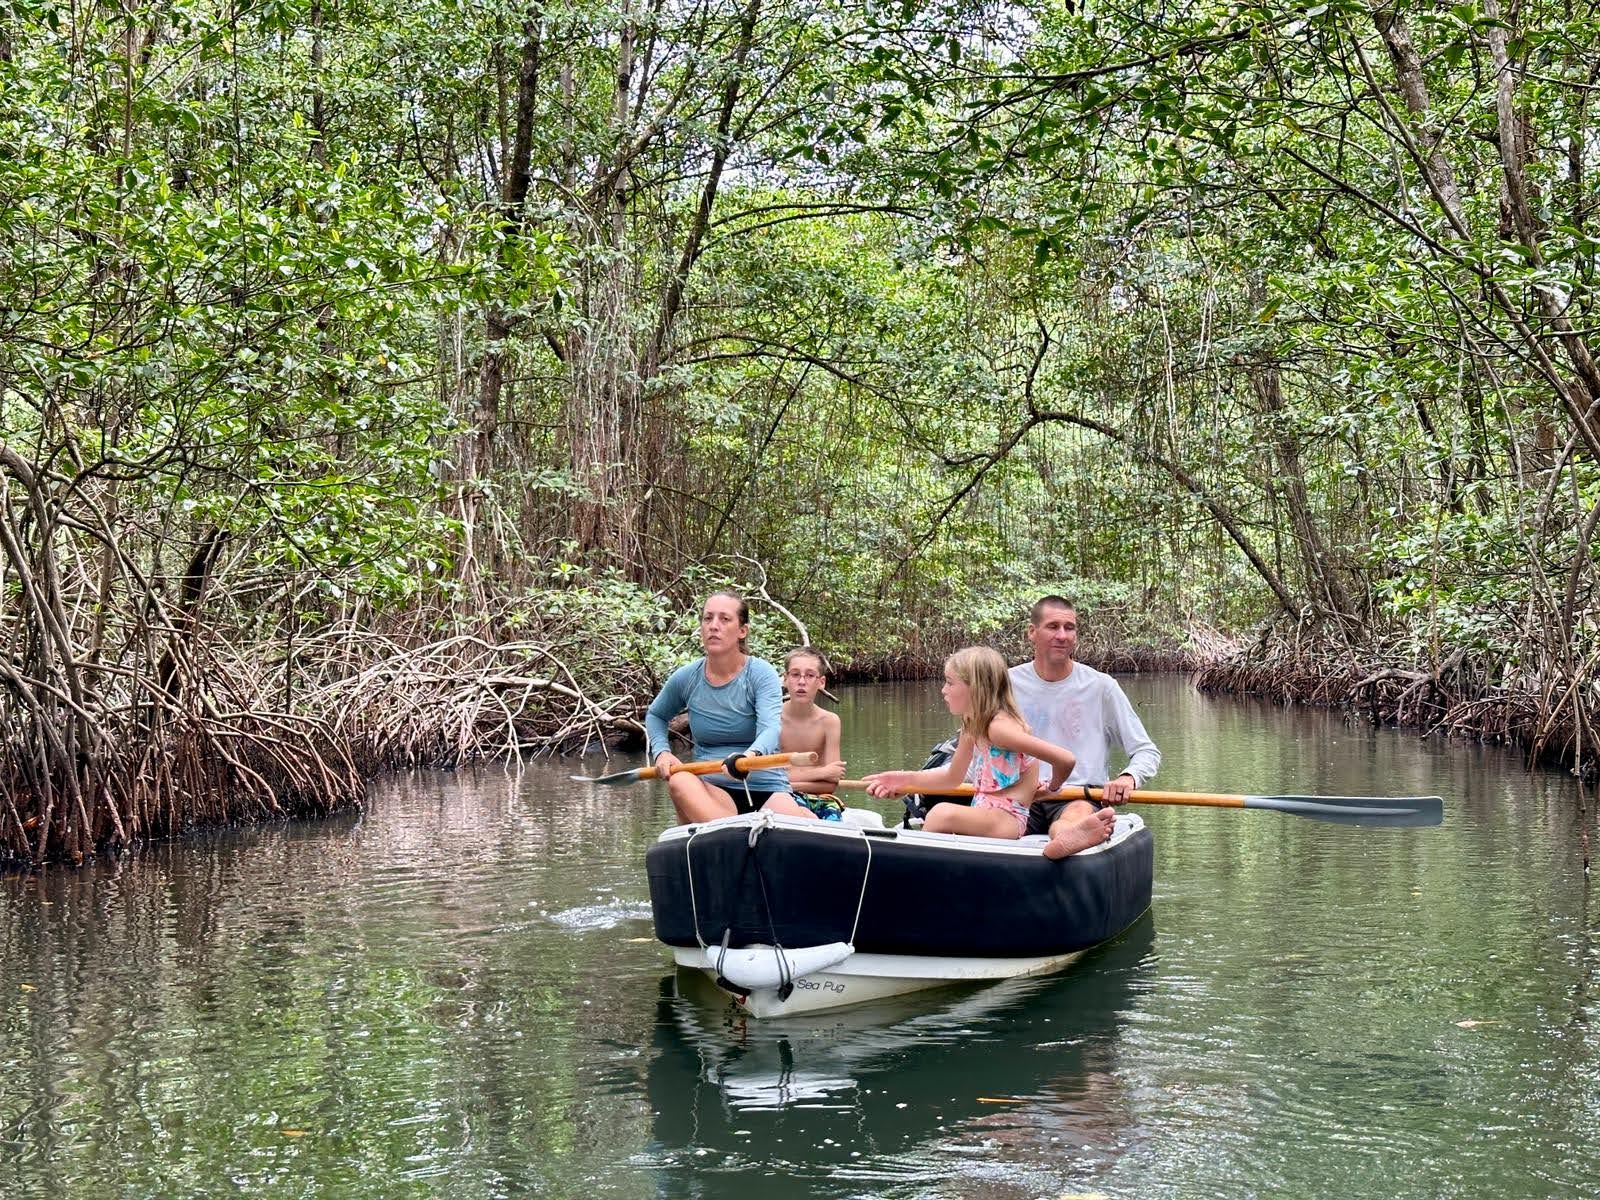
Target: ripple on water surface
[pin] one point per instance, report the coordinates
(457, 994)
(606, 915)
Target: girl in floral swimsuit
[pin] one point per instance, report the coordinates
(978, 690)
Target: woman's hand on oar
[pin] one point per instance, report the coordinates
(1343, 810)
(752, 762)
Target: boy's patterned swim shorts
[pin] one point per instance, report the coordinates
(827, 808)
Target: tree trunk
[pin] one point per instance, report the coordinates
(477, 450)
(1579, 394)
(617, 434)
(1317, 562)
(604, 400)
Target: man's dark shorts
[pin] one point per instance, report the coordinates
(1042, 813)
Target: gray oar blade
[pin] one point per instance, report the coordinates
(1391, 811)
(616, 780)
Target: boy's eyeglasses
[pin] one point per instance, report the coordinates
(804, 675)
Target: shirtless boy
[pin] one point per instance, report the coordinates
(807, 727)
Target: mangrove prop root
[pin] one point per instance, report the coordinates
(1541, 711)
(143, 693)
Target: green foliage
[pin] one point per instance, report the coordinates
(1164, 304)
(235, 332)
(601, 620)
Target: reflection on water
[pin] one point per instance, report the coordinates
(1025, 1065)
(457, 994)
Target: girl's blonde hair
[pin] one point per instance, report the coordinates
(984, 672)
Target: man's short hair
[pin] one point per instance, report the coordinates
(1051, 601)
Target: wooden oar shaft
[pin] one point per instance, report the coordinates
(1140, 796)
(1395, 811)
(753, 762)
(1203, 799)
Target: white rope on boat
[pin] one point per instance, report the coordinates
(861, 900)
(694, 908)
(785, 970)
(760, 825)
(750, 801)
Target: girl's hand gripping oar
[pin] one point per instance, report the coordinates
(1344, 810)
(754, 762)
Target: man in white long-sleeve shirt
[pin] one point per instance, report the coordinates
(1085, 710)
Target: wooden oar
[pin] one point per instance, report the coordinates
(1344, 810)
(754, 762)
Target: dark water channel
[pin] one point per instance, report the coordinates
(457, 995)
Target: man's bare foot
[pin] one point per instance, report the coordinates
(1080, 835)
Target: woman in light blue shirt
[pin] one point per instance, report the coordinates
(735, 707)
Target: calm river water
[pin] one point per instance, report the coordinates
(457, 995)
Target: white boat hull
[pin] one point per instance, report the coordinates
(863, 978)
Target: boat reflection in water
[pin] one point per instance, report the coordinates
(1014, 1083)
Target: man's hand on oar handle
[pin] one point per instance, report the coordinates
(1116, 791)
(665, 762)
